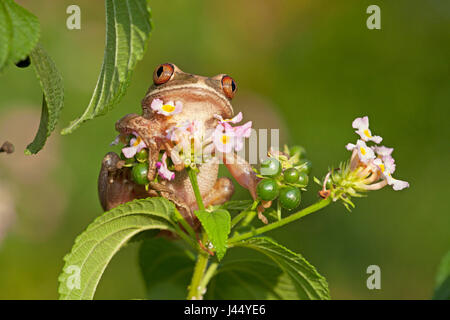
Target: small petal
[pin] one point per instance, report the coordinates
(397, 184)
(383, 151)
(156, 104)
(243, 131)
(116, 141)
(361, 123)
(163, 171)
(237, 118)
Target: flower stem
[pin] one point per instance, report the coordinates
(195, 289)
(295, 216)
(194, 183)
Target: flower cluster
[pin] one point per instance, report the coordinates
(370, 168)
(186, 143)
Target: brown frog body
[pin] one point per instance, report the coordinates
(203, 99)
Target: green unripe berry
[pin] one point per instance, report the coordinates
(139, 173)
(271, 167)
(267, 189)
(303, 178)
(290, 197)
(291, 175)
(142, 156)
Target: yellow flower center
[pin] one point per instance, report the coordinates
(225, 139)
(367, 133)
(382, 167)
(138, 140)
(363, 151)
(168, 108)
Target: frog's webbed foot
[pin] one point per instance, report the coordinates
(115, 186)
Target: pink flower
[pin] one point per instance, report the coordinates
(227, 137)
(240, 133)
(223, 139)
(136, 145)
(362, 124)
(163, 171)
(167, 109)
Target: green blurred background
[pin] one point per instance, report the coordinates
(307, 67)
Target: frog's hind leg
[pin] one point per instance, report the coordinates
(221, 192)
(115, 186)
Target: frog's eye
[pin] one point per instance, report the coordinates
(229, 86)
(163, 73)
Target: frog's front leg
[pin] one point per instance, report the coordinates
(152, 131)
(242, 171)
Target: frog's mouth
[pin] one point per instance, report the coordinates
(188, 92)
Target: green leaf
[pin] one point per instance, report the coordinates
(251, 279)
(53, 98)
(128, 27)
(308, 283)
(217, 225)
(166, 268)
(19, 33)
(96, 246)
(442, 288)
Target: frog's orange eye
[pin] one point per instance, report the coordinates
(163, 73)
(229, 86)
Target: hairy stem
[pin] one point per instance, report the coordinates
(295, 216)
(208, 276)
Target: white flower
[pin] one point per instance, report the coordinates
(362, 126)
(365, 153)
(167, 109)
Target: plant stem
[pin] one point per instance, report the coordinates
(244, 213)
(199, 270)
(194, 182)
(208, 276)
(195, 289)
(295, 216)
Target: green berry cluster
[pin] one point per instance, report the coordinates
(283, 176)
(138, 165)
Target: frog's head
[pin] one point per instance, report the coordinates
(201, 97)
